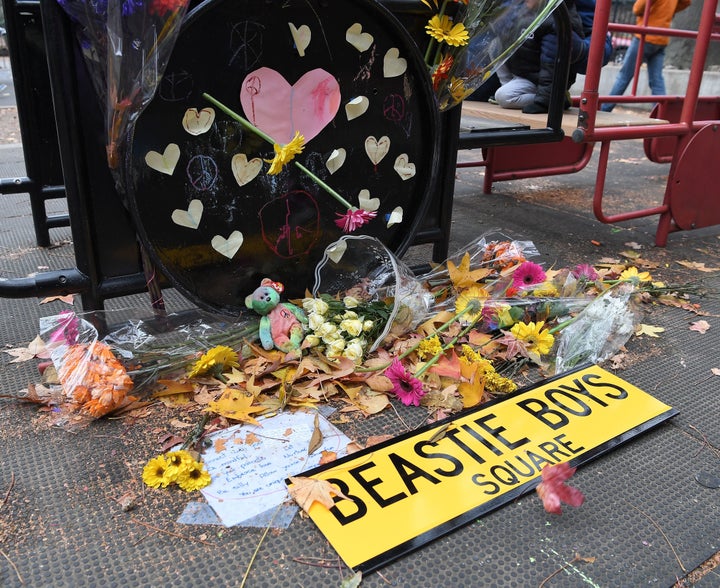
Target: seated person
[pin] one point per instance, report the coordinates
(526, 77)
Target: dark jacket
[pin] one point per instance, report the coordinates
(534, 60)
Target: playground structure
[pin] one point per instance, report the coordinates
(681, 131)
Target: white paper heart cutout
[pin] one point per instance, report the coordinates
(395, 217)
(227, 247)
(336, 160)
(336, 251)
(164, 162)
(198, 122)
(245, 171)
(367, 203)
(376, 149)
(393, 64)
(189, 218)
(361, 41)
(356, 107)
(403, 167)
(301, 37)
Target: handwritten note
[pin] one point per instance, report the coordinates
(249, 464)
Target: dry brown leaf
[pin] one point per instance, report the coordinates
(379, 383)
(306, 491)
(67, 299)
(696, 265)
(715, 371)
(251, 439)
(204, 395)
(375, 439)
(701, 326)
(36, 348)
(220, 444)
(327, 457)
(316, 438)
(178, 424)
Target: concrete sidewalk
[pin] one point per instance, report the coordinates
(651, 515)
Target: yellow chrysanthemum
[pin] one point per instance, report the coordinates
(536, 340)
(430, 347)
(546, 290)
(631, 274)
(194, 477)
(472, 356)
(442, 29)
(177, 463)
(285, 153)
(498, 384)
(473, 297)
(219, 358)
(155, 472)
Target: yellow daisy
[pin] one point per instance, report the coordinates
(285, 153)
(457, 89)
(473, 297)
(536, 340)
(178, 462)
(442, 29)
(155, 472)
(545, 290)
(631, 274)
(194, 477)
(219, 358)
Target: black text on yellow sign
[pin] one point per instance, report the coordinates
(419, 486)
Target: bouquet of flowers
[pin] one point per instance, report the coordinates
(126, 45)
(470, 39)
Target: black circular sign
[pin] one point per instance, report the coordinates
(343, 73)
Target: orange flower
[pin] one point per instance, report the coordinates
(94, 379)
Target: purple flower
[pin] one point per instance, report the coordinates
(405, 386)
(528, 274)
(67, 331)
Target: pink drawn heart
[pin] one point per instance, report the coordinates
(279, 109)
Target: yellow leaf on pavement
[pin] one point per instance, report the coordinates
(649, 330)
(235, 405)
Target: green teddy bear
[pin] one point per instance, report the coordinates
(281, 323)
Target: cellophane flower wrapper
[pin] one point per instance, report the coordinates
(136, 351)
(599, 331)
(363, 264)
(126, 46)
(491, 250)
(496, 28)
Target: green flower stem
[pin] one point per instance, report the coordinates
(251, 127)
(196, 433)
(324, 186)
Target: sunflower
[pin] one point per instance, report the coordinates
(155, 472)
(536, 340)
(216, 359)
(194, 477)
(285, 153)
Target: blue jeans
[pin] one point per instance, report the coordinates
(654, 56)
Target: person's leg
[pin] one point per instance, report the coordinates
(654, 55)
(625, 75)
(516, 94)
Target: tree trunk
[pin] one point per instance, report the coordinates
(680, 51)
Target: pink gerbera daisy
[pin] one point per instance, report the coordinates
(354, 219)
(405, 386)
(585, 271)
(528, 274)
